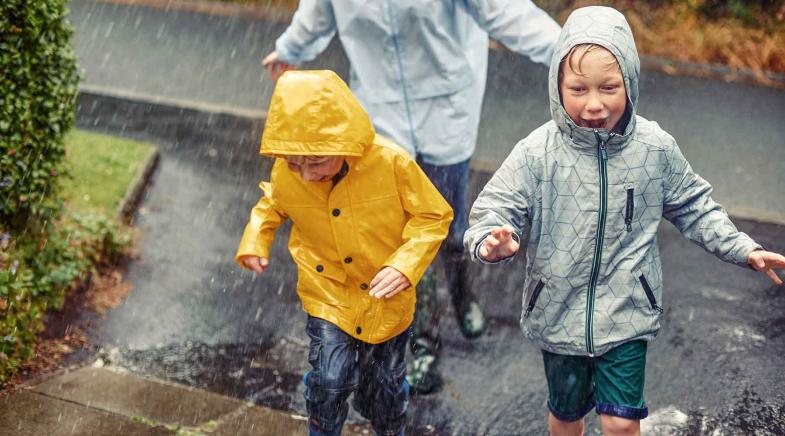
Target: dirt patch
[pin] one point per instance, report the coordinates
(70, 336)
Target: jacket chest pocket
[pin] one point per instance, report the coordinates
(629, 208)
(623, 202)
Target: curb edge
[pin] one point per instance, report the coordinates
(135, 192)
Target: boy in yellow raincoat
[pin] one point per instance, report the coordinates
(366, 222)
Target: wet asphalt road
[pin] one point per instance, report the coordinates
(194, 317)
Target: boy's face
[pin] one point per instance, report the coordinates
(315, 168)
(592, 88)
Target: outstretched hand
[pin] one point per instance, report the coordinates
(275, 66)
(255, 263)
(767, 262)
(388, 282)
(499, 245)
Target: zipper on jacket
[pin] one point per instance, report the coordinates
(649, 293)
(533, 299)
(602, 160)
(397, 45)
(630, 207)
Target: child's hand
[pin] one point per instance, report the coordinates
(255, 263)
(767, 262)
(274, 66)
(499, 245)
(388, 282)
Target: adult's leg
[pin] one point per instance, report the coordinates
(333, 377)
(452, 181)
(424, 344)
(383, 393)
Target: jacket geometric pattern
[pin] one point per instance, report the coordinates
(591, 202)
(383, 212)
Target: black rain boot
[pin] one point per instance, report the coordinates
(468, 312)
(421, 372)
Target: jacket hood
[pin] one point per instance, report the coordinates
(315, 113)
(608, 28)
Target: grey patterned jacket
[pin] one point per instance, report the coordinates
(591, 202)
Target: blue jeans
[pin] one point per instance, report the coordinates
(342, 365)
(452, 181)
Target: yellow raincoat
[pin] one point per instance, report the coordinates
(383, 212)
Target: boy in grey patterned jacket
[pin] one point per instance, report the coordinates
(590, 187)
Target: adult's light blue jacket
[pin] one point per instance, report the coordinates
(419, 66)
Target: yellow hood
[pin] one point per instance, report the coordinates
(315, 113)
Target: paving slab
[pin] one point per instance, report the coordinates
(263, 421)
(132, 396)
(260, 421)
(35, 414)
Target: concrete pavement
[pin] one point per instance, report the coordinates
(96, 401)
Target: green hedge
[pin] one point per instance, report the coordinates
(38, 89)
(37, 101)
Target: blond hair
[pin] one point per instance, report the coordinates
(581, 50)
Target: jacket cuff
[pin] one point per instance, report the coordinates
(285, 54)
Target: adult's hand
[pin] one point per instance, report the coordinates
(275, 66)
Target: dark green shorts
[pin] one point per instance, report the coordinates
(612, 382)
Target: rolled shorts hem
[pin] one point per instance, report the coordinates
(570, 417)
(626, 412)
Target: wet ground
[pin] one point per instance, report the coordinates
(193, 317)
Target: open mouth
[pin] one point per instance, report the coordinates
(594, 124)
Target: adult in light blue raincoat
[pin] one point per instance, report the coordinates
(419, 69)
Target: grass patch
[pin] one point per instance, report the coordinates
(100, 170)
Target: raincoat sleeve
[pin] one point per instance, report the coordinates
(309, 33)
(518, 24)
(429, 220)
(689, 206)
(505, 200)
(260, 231)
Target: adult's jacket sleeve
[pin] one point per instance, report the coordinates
(260, 230)
(689, 206)
(518, 24)
(309, 33)
(505, 200)
(429, 217)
